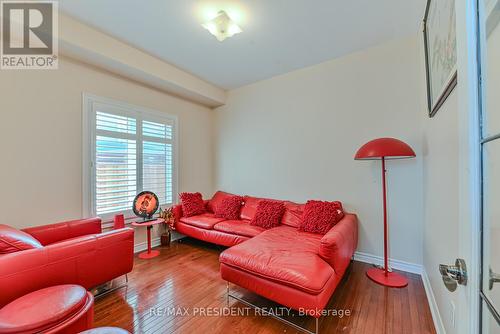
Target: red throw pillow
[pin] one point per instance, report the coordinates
(319, 217)
(229, 207)
(268, 214)
(217, 199)
(192, 204)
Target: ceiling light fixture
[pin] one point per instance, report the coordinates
(222, 26)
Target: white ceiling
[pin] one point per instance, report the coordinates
(278, 36)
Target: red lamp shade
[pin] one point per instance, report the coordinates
(388, 148)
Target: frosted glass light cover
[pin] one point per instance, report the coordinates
(222, 26)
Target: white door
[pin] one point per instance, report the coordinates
(489, 27)
(467, 297)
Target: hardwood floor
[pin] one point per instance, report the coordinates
(185, 278)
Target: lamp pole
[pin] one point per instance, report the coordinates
(383, 149)
(384, 195)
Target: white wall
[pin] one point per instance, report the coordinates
(441, 201)
(41, 139)
(294, 137)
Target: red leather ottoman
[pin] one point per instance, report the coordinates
(61, 309)
(106, 330)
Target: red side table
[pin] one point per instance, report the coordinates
(149, 253)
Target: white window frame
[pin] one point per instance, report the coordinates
(89, 107)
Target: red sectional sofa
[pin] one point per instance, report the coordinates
(297, 269)
(74, 252)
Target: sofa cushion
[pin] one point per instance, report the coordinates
(212, 236)
(285, 255)
(293, 214)
(217, 198)
(268, 214)
(206, 220)
(13, 240)
(319, 216)
(229, 207)
(42, 309)
(192, 204)
(249, 207)
(239, 227)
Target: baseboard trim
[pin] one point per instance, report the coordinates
(142, 246)
(395, 264)
(155, 242)
(436, 316)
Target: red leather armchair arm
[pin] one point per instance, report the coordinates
(49, 234)
(339, 244)
(88, 260)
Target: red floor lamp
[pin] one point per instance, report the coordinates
(385, 149)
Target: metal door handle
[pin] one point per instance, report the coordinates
(494, 278)
(453, 275)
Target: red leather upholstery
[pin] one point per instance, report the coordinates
(285, 255)
(12, 240)
(205, 227)
(297, 269)
(249, 207)
(217, 199)
(288, 266)
(338, 244)
(206, 220)
(56, 309)
(212, 236)
(87, 260)
(240, 227)
(283, 294)
(293, 214)
(48, 234)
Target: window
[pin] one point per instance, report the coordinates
(127, 149)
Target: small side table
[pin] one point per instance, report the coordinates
(149, 253)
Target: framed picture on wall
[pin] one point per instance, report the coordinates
(440, 44)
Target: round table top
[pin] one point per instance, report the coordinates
(150, 223)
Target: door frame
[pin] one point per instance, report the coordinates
(469, 108)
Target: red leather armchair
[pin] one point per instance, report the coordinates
(74, 252)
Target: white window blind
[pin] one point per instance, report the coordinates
(157, 169)
(115, 173)
(131, 150)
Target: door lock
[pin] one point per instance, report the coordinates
(454, 274)
(494, 278)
